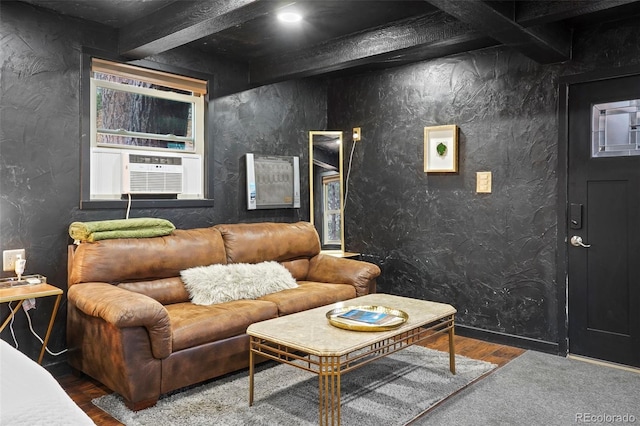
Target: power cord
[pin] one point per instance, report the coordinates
(40, 338)
(13, 334)
(128, 206)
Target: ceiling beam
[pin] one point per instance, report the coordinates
(545, 44)
(403, 41)
(528, 13)
(181, 22)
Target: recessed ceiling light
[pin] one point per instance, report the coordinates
(289, 17)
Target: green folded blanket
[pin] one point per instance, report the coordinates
(143, 227)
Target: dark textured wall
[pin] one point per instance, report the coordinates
(39, 145)
(40, 152)
(493, 256)
(270, 120)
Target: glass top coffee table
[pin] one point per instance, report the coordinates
(308, 341)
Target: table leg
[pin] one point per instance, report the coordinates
(251, 360)
(329, 391)
(452, 349)
(46, 337)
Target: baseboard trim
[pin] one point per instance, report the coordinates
(604, 363)
(508, 339)
(58, 369)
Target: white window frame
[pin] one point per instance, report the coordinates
(198, 116)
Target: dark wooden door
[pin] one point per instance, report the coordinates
(604, 211)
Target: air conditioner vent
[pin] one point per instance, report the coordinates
(151, 174)
(164, 182)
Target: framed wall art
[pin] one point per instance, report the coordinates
(441, 149)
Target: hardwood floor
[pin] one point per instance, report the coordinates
(83, 390)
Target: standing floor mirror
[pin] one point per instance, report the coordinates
(325, 189)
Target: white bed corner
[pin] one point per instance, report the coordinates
(30, 395)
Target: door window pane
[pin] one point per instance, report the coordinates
(615, 129)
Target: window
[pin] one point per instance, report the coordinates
(331, 211)
(146, 133)
(135, 108)
(616, 129)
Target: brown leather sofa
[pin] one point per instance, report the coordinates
(131, 325)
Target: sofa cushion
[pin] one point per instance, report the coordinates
(137, 259)
(298, 268)
(165, 291)
(194, 325)
(259, 242)
(212, 284)
(309, 295)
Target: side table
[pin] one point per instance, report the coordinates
(35, 291)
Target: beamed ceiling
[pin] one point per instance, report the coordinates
(343, 35)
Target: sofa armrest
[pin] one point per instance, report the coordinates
(124, 308)
(331, 269)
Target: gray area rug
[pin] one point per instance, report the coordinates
(390, 391)
(543, 389)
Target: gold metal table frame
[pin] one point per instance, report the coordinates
(329, 366)
(33, 291)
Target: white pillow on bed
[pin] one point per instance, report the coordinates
(212, 284)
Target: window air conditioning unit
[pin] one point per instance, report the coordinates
(151, 174)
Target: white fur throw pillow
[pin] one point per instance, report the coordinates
(212, 284)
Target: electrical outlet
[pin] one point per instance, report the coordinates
(9, 258)
(357, 134)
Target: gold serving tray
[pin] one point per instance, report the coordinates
(334, 318)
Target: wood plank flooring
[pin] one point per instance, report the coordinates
(83, 390)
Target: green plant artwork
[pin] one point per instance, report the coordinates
(441, 149)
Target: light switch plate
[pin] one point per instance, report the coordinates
(483, 182)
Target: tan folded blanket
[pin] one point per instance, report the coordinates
(143, 227)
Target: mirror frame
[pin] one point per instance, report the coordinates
(337, 134)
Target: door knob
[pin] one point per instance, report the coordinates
(576, 241)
